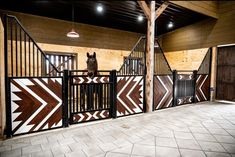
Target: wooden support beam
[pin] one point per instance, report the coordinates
(150, 58)
(160, 10)
(213, 73)
(145, 8)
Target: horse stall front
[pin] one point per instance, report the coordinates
(91, 98)
(177, 87)
(34, 87)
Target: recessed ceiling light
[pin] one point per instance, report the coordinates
(140, 18)
(170, 25)
(99, 8)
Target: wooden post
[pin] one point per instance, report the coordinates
(213, 73)
(151, 15)
(150, 58)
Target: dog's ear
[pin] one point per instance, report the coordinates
(94, 54)
(87, 54)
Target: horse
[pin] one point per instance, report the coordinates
(92, 65)
(91, 93)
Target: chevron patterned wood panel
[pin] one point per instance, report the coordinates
(184, 100)
(89, 116)
(82, 80)
(203, 88)
(163, 91)
(129, 95)
(36, 104)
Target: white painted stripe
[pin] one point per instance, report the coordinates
(200, 88)
(52, 111)
(167, 91)
(137, 108)
(25, 126)
(120, 92)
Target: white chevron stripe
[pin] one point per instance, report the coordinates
(94, 115)
(198, 78)
(54, 109)
(102, 114)
(89, 116)
(137, 79)
(81, 80)
(197, 98)
(25, 126)
(200, 88)
(170, 79)
(169, 102)
(81, 117)
(120, 92)
(167, 91)
(89, 80)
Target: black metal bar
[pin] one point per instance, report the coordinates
(33, 62)
(21, 69)
(77, 98)
(174, 74)
(11, 27)
(8, 129)
(65, 97)
(38, 63)
(113, 94)
(194, 85)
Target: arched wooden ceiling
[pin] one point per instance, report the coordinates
(117, 14)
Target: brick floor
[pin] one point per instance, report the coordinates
(196, 130)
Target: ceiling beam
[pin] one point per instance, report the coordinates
(145, 8)
(160, 10)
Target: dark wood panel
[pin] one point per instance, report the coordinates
(226, 73)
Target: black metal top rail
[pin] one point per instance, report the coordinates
(25, 57)
(134, 64)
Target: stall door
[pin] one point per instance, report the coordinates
(226, 73)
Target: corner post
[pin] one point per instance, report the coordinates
(194, 85)
(174, 73)
(113, 94)
(150, 58)
(213, 73)
(8, 129)
(65, 98)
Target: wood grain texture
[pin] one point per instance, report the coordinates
(53, 31)
(129, 95)
(207, 33)
(203, 88)
(163, 91)
(186, 59)
(36, 104)
(225, 81)
(209, 8)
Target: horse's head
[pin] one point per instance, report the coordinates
(92, 65)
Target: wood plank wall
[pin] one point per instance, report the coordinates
(186, 59)
(53, 31)
(209, 8)
(207, 33)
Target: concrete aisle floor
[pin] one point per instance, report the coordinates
(196, 130)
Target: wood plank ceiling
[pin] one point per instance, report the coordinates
(116, 14)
